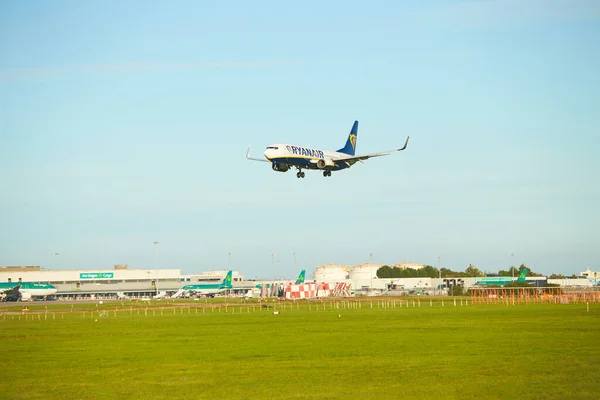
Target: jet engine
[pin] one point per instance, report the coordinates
(280, 167)
(325, 162)
(25, 296)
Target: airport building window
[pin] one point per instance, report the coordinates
(9, 280)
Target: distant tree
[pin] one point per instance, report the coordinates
(385, 272)
(446, 273)
(574, 276)
(556, 276)
(432, 272)
(472, 271)
(512, 271)
(529, 271)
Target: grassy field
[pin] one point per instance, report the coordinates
(537, 351)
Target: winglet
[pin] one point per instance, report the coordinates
(405, 144)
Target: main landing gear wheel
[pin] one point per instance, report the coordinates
(300, 174)
(326, 173)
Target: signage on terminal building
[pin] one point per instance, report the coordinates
(96, 275)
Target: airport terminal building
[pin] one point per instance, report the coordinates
(98, 283)
(120, 280)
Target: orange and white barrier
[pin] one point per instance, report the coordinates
(307, 291)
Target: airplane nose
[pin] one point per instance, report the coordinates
(268, 153)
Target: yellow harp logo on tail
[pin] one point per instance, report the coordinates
(353, 140)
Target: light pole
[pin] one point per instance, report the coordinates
(156, 265)
(229, 259)
(512, 267)
(294, 263)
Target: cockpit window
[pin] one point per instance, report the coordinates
(273, 147)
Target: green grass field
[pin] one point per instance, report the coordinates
(540, 351)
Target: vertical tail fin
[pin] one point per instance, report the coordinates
(351, 142)
(522, 276)
(300, 279)
(227, 281)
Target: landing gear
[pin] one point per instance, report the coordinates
(326, 173)
(300, 174)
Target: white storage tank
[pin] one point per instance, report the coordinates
(364, 271)
(332, 273)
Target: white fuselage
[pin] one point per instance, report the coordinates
(305, 157)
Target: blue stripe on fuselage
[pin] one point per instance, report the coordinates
(306, 164)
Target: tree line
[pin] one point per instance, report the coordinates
(431, 272)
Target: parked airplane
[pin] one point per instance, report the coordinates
(209, 289)
(24, 291)
(284, 156)
(500, 280)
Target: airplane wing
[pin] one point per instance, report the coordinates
(255, 159)
(353, 159)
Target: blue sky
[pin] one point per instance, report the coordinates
(124, 123)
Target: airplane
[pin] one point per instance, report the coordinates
(500, 280)
(285, 156)
(24, 291)
(210, 289)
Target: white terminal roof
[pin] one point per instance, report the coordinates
(87, 275)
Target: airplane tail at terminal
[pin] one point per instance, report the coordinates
(227, 281)
(300, 279)
(351, 142)
(522, 276)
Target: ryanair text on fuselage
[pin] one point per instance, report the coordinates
(305, 151)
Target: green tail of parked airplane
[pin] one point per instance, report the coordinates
(500, 280)
(300, 279)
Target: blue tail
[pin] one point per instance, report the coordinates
(350, 146)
